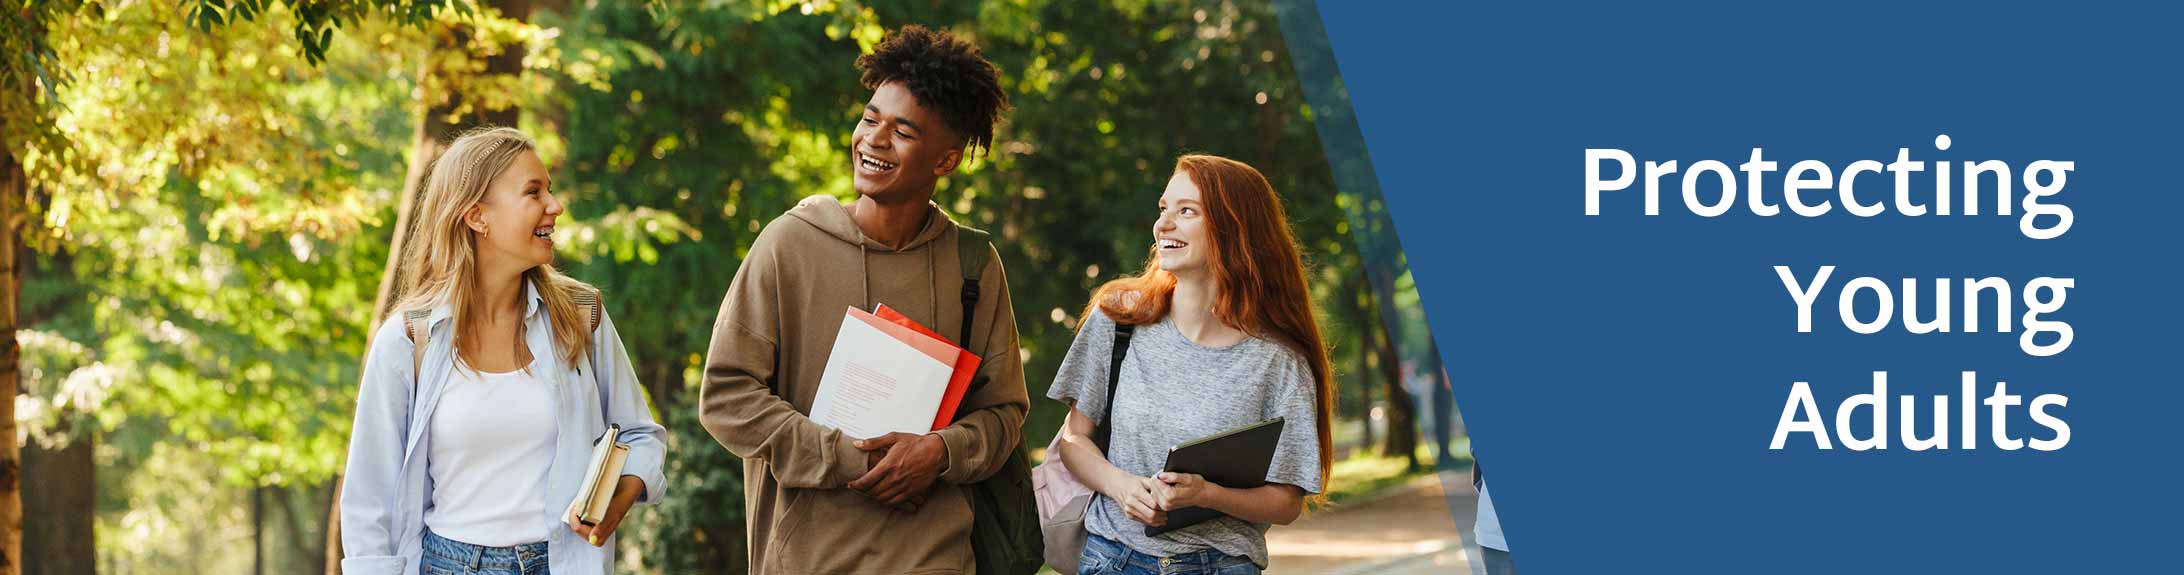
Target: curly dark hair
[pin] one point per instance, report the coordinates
(946, 73)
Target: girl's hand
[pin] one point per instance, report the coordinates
(1184, 490)
(1140, 500)
(626, 492)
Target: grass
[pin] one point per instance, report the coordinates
(1369, 472)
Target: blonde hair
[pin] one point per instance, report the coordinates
(440, 253)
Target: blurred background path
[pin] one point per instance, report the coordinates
(1415, 528)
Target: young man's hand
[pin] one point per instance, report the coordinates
(906, 472)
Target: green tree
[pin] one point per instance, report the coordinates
(206, 180)
(27, 78)
(211, 197)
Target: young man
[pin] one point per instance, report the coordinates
(819, 501)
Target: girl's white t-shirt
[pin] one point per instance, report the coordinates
(492, 443)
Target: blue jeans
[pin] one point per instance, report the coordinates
(445, 556)
(1103, 556)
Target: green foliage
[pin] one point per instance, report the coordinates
(215, 243)
(30, 72)
(699, 528)
(218, 194)
(314, 21)
(211, 231)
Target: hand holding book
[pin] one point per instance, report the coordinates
(902, 476)
(888, 382)
(626, 492)
(606, 493)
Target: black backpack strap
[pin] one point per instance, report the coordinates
(1105, 428)
(974, 248)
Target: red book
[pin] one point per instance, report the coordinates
(966, 365)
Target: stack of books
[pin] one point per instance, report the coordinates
(888, 374)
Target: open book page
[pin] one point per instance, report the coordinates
(882, 378)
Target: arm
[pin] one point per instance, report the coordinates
(1275, 503)
(1085, 459)
(1082, 382)
(376, 439)
(738, 407)
(626, 406)
(1138, 496)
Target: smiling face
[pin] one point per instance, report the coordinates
(1183, 235)
(514, 222)
(901, 148)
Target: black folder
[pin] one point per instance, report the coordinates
(1236, 459)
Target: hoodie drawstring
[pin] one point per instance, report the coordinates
(932, 276)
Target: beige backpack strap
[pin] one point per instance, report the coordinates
(589, 300)
(414, 322)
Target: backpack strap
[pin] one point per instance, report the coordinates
(413, 321)
(589, 300)
(974, 249)
(1105, 429)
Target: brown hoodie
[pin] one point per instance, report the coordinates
(770, 345)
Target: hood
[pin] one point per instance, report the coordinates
(831, 216)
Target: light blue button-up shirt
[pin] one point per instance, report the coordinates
(386, 491)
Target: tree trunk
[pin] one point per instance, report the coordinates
(299, 535)
(1402, 412)
(435, 128)
(1364, 321)
(13, 187)
(58, 508)
(257, 530)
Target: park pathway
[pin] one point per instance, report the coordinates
(1416, 528)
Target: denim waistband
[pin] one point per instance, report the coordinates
(1114, 553)
(480, 556)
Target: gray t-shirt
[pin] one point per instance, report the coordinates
(1173, 391)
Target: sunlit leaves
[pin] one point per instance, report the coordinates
(628, 235)
(314, 21)
(223, 216)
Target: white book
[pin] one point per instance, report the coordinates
(882, 378)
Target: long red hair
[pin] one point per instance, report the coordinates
(1258, 270)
